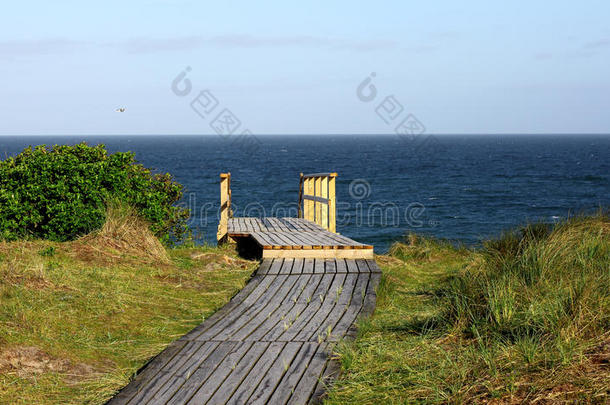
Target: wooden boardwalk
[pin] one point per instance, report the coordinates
(272, 343)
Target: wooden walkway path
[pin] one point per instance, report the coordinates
(272, 343)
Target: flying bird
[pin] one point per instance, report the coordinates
(122, 109)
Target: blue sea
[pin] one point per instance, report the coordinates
(462, 188)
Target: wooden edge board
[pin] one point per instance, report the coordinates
(318, 254)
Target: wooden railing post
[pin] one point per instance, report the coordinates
(309, 205)
(300, 208)
(318, 205)
(324, 208)
(225, 207)
(332, 203)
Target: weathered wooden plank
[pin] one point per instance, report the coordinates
(262, 238)
(326, 329)
(298, 224)
(330, 373)
(220, 373)
(260, 291)
(306, 241)
(288, 225)
(341, 266)
(277, 289)
(279, 225)
(291, 240)
(165, 373)
(373, 266)
(260, 313)
(304, 389)
(330, 266)
(264, 267)
(283, 238)
(286, 266)
(324, 238)
(363, 267)
(292, 376)
(259, 370)
(368, 304)
(279, 316)
(297, 267)
(352, 267)
(264, 225)
(319, 266)
(295, 312)
(199, 376)
(308, 265)
(308, 309)
(329, 301)
(272, 238)
(349, 316)
(257, 224)
(147, 373)
(167, 390)
(275, 373)
(276, 265)
(371, 295)
(238, 299)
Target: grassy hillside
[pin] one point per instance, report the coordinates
(525, 319)
(77, 319)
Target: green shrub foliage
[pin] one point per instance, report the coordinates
(60, 193)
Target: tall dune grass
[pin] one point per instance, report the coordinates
(524, 319)
(550, 286)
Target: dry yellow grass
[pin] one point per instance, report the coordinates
(124, 234)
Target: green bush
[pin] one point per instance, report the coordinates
(60, 193)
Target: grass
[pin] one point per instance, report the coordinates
(524, 319)
(77, 319)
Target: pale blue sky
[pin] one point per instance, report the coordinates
(287, 67)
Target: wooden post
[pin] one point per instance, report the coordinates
(332, 203)
(324, 208)
(318, 206)
(309, 205)
(300, 209)
(225, 207)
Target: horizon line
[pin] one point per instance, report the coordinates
(322, 134)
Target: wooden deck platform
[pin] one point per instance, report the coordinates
(297, 238)
(271, 343)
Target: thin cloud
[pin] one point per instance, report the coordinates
(586, 50)
(601, 43)
(143, 45)
(543, 55)
(39, 47)
(149, 45)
